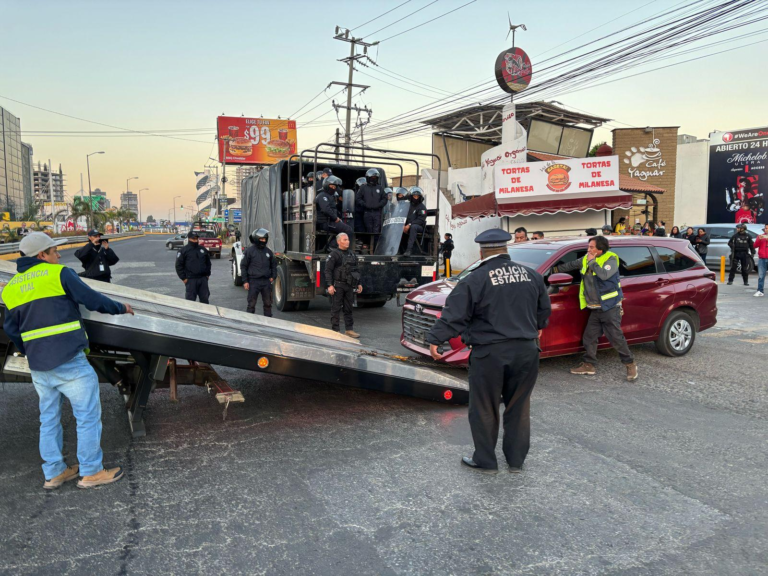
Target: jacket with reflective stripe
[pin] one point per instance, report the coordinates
(608, 287)
(43, 317)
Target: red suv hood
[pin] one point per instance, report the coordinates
(433, 294)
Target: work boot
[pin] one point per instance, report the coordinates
(632, 371)
(584, 369)
(69, 474)
(101, 478)
(352, 334)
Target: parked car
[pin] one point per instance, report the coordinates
(669, 296)
(719, 234)
(176, 242)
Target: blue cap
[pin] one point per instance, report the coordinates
(493, 238)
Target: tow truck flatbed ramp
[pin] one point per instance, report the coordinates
(166, 328)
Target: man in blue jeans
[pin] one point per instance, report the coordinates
(761, 245)
(43, 321)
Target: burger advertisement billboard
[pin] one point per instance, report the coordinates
(255, 140)
(738, 176)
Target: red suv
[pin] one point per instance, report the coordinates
(669, 296)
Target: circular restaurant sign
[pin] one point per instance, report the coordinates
(513, 70)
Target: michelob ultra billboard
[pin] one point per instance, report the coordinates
(255, 140)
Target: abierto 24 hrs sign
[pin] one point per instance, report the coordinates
(569, 176)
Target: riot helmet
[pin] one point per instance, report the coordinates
(319, 176)
(401, 193)
(311, 177)
(327, 171)
(259, 237)
(372, 176)
(334, 181)
(415, 195)
(359, 182)
(388, 192)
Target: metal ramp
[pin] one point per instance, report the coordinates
(134, 352)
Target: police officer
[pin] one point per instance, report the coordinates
(500, 310)
(372, 199)
(193, 265)
(400, 194)
(97, 257)
(343, 280)
(327, 213)
(417, 217)
(742, 246)
(359, 208)
(259, 270)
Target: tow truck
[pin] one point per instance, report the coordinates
(278, 199)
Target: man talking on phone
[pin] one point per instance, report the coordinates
(96, 258)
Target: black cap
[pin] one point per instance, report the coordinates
(494, 238)
(193, 234)
(741, 225)
(94, 232)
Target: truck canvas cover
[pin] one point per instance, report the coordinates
(261, 198)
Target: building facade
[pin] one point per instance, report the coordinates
(11, 166)
(129, 201)
(41, 177)
(241, 172)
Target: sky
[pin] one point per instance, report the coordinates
(177, 65)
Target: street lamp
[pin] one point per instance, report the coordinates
(140, 191)
(174, 210)
(90, 197)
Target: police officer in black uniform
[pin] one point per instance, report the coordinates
(327, 213)
(343, 280)
(742, 246)
(500, 310)
(96, 258)
(259, 269)
(417, 217)
(372, 198)
(193, 265)
(359, 208)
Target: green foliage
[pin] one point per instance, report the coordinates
(593, 150)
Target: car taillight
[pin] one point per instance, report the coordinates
(447, 394)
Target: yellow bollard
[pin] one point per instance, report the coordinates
(447, 267)
(722, 269)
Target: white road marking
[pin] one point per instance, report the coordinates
(122, 264)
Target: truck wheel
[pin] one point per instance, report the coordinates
(218, 255)
(281, 287)
(236, 278)
(302, 306)
(677, 335)
(364, 303)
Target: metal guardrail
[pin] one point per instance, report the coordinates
(13, 247)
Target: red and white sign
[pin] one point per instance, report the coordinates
(548, 180)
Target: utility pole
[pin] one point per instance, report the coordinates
(50, 188)
(337, 145)
(343, 35)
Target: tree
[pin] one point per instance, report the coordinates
(593, 150)
(150, 219)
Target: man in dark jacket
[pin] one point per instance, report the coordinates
(327, 213)
(43, 321)
(343, 280)
(742, 246)
(259, 270)
(416, 220)
(372, 199)
(193, 266)
(97, 257)
(359, 208)
(447, 249)
(701, 243)
(500, 310)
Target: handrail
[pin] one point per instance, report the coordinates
(13, 247)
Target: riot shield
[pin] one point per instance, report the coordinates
(392, 228)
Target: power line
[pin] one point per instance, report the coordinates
(380, 15)
(427, 22)
(404, 17)
(308, 103)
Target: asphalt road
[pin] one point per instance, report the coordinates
(665, 475)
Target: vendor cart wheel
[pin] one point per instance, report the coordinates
(281, 286)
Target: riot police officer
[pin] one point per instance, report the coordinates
(500, 310)
(327, 212)
(343, 280)
(193, 266)
(400, 194)
(372, 199)
(359, 208)
(417, 217)
(259, 270)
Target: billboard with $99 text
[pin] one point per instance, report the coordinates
(255, 140)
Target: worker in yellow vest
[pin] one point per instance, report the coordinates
(43, 320)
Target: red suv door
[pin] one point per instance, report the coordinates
(567, 322)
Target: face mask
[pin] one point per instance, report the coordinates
(415, 200)
(261, 244)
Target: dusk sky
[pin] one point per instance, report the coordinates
(175, 66)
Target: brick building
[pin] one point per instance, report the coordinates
(648, 155)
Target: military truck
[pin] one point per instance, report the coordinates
(279, 199)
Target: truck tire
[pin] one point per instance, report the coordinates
(237, 280)
(677, 334)
(371, 303)
(280, 287)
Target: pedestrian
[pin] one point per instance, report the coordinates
(600, 292)
(359, 221)
(690, 235)
(761, 245)
(661, 229)
(97, 258)
(701, 244)
(621, 226)
(193, 266)
(521, 235)
(416, 221)
(675, 233)
(371, 199)
(607, 230)
(499, 310)
(43, 321)
(741, 247)
(343, 280)
(537, 235)
(259, 269)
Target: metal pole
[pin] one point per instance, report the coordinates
(337, 145)
(90, 195)
(352, 46)
(50, 187)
